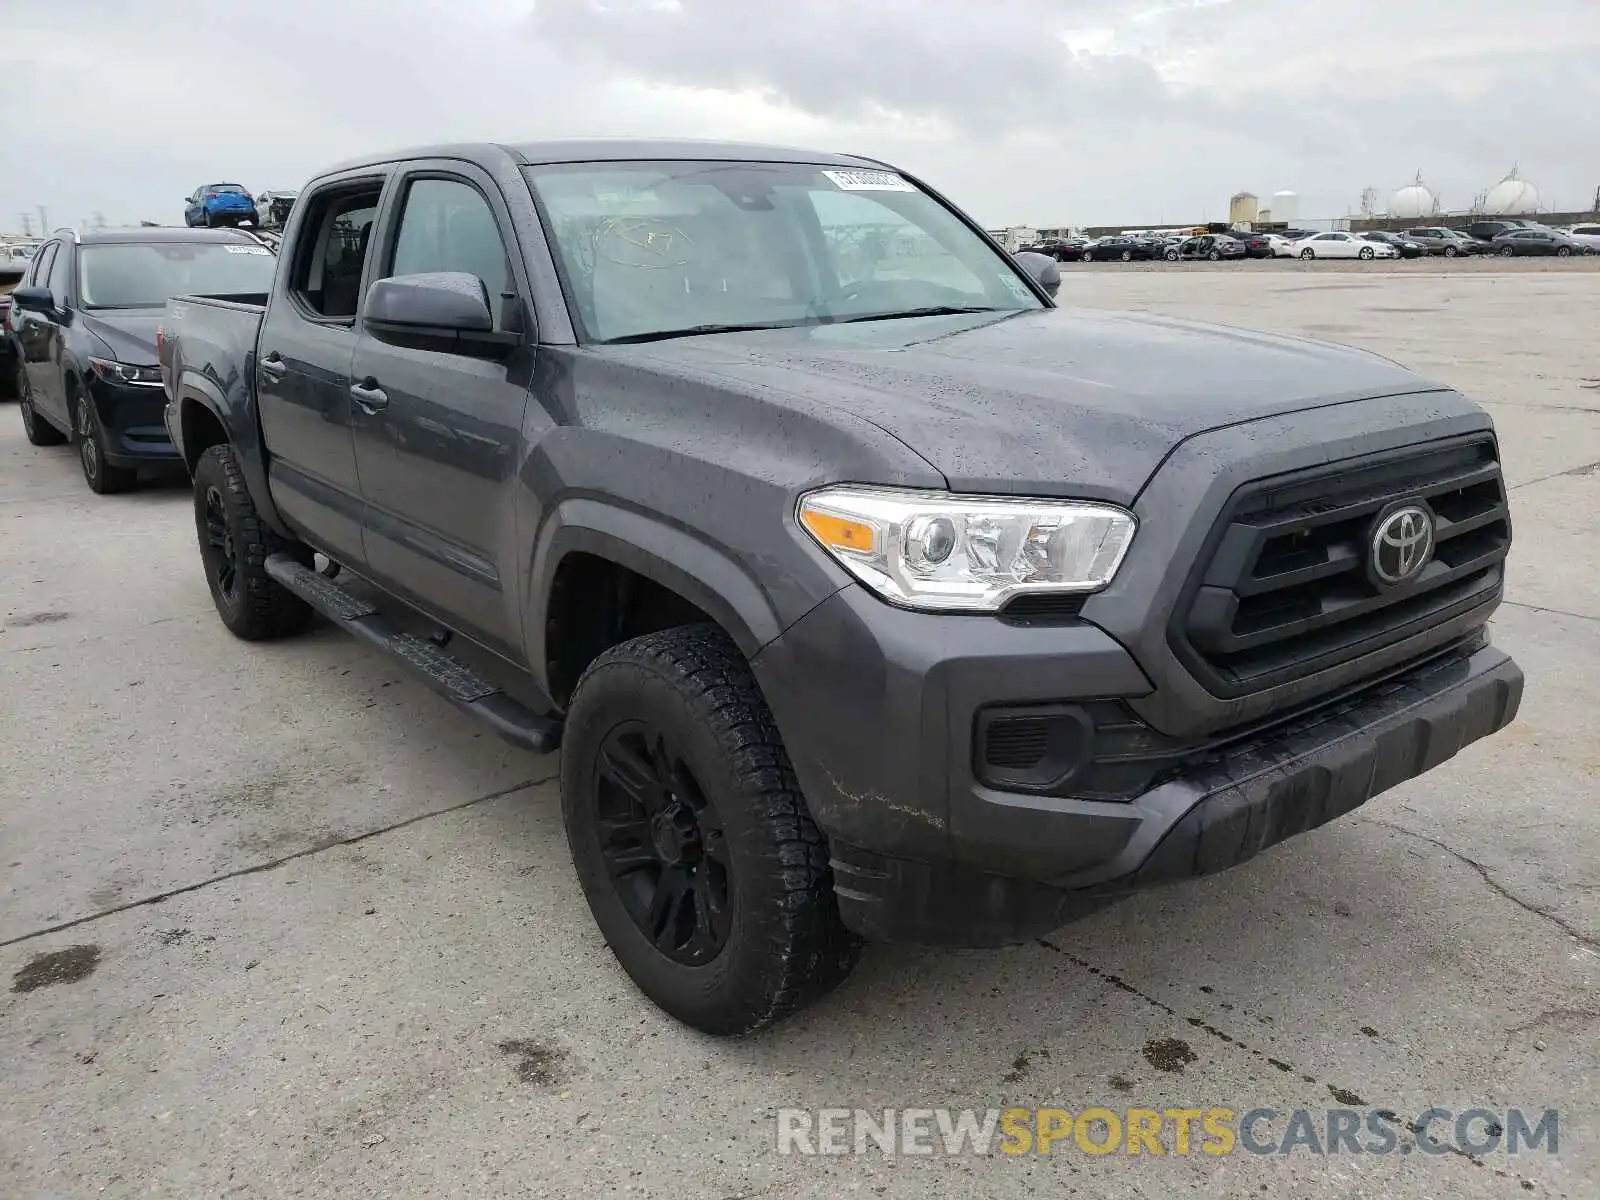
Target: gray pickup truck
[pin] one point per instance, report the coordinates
(868, 593)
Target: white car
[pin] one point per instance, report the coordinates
(1589, 235)
(1282, 247)
(1343, 245)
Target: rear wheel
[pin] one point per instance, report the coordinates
(1563, 251)
(1215, 256)
(40, 432)
(690, 836)
(1451, 252)
(1127, 256)
(102, 478)
(234, 546)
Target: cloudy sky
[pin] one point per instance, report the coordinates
(1024, 111)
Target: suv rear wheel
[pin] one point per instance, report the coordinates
(692, 842)
(40, 432)
(234, 546)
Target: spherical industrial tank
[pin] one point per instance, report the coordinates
(1413, 201)
(1285, 206)
(1511, 196)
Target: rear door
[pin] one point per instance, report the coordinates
(438, 433)
(302, 365)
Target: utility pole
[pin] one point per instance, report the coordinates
(27, 225)
(44, 221)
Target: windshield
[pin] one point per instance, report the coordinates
(148, 274)
(217, 189)
(656, 249)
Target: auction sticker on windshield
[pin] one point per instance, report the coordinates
(869, 181)
(247, 250)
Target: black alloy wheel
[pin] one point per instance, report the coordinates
(100, 475)
(1563, 251)
(1507, 251)
(220, 550)
(663, 844)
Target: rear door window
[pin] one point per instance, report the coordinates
(332, 251)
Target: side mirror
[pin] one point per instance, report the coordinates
(444, 309)
(1043, 268)
(34, 299)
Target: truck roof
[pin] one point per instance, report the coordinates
(580, 150)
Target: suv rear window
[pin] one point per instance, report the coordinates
(333, 249)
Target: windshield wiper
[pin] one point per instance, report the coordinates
(658, 335)
(938, 310)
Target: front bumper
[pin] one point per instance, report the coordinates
(878, 708)
(133, 417)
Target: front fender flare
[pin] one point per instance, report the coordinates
(699, 572)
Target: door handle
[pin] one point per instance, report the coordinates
(372, 398)
(273, 367)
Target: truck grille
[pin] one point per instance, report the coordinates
(1284, 588)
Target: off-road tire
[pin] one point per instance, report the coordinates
(255, 607)
(786, 945)
(40, 432)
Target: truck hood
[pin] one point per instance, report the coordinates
(1058, 402)
(129, 336)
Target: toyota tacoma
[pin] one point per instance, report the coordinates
(868, 594)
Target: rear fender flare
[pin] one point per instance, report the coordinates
(699, 572)
(244, 435)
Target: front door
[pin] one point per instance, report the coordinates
(438, 434)
(303, 369)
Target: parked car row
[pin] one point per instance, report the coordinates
(1507, 238)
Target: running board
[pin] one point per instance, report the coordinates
(442, 672)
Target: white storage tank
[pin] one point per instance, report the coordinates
(1414, 201)
(1242, 208)
(1285, 206)
(1511, 197)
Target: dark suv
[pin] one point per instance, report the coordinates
(84, 327)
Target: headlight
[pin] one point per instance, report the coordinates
(934, 550)
(117, 372)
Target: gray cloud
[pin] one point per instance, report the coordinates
(1028, 110)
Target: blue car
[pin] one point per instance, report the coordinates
(220, 204)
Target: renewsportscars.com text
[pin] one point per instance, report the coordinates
(1164, 1131)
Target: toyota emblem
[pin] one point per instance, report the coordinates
(1402, 544)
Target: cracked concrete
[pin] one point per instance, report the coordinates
(342, 951)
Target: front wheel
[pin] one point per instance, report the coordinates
(1368, 252)
(234, 546)
(1506, 251)
(1087, 257)
(1172, 256)
(103, 478)
(696, 852)
(1308, 253)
